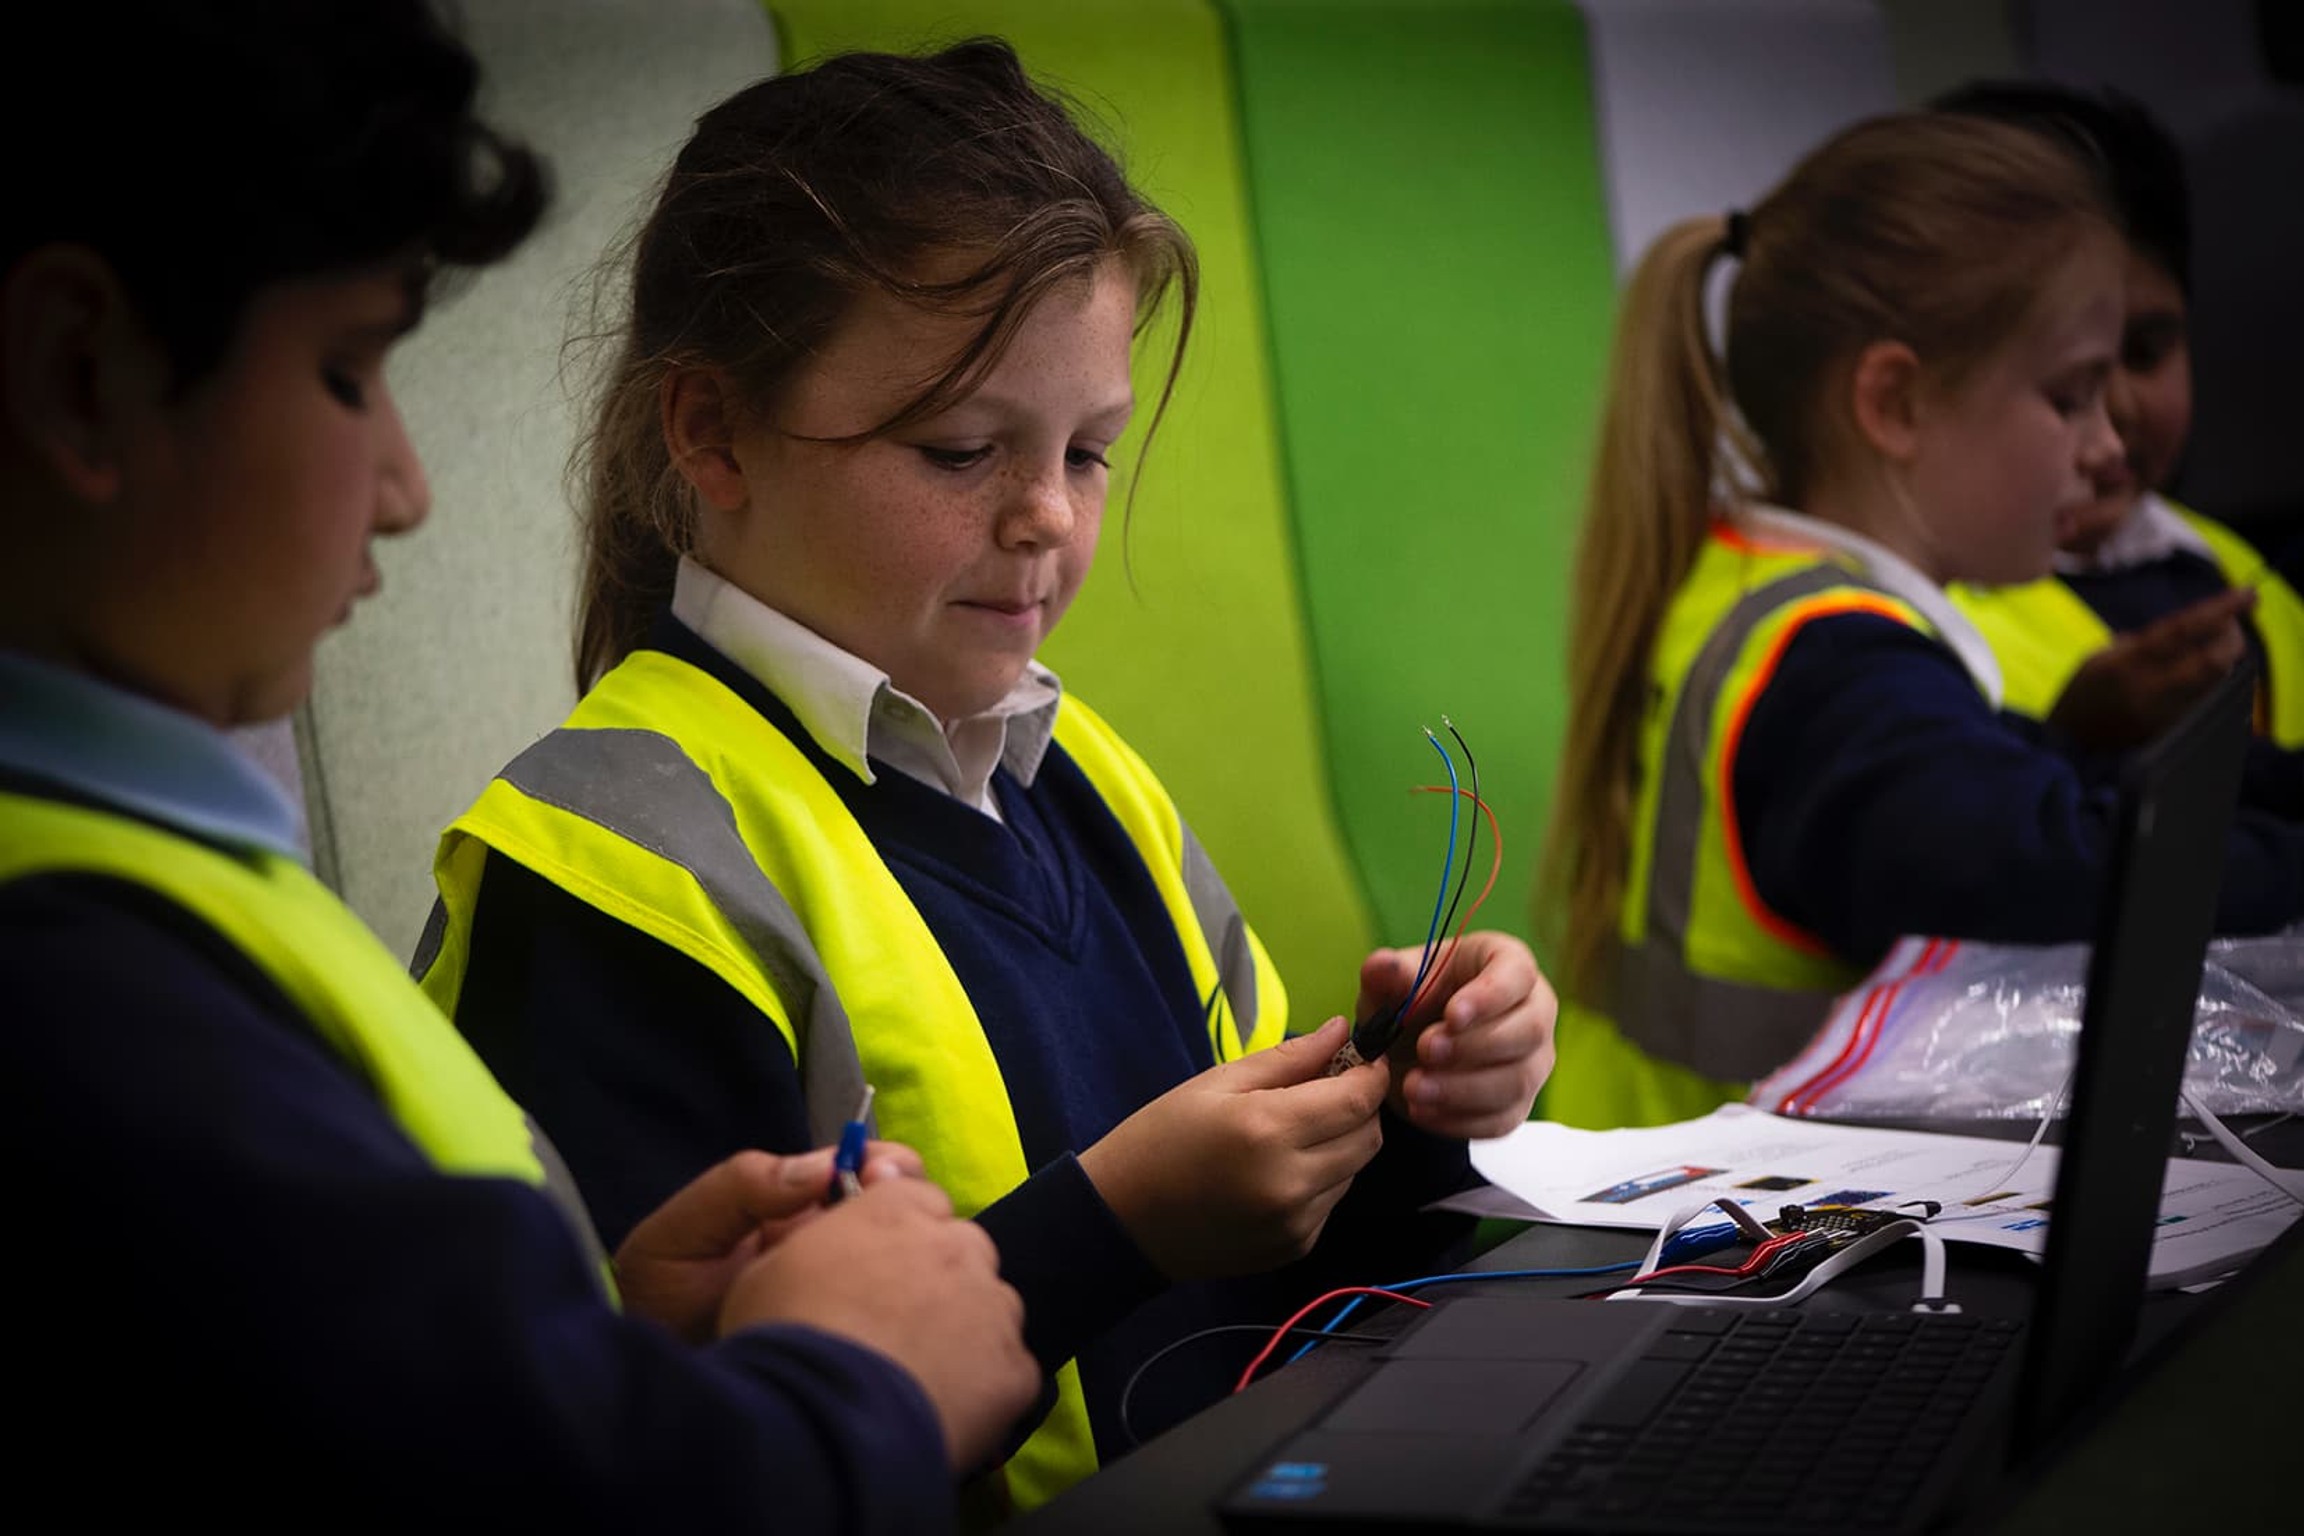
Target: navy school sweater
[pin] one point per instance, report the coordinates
(645, 1068)
(238, 1286)
(1878, 795)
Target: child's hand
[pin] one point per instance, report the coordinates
(2136, 687)
(1472, 1054)
(1236, 1170)
(675, 1267)
(890, 1268)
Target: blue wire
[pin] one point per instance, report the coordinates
(1695, 1242)
(1491, 1274)
(1447, 868)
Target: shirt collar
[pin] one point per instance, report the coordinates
(851, 708)
(124, 750)
(2151, 532)
(1896, 576)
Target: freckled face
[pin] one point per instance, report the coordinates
(2008, 456)
(943, 553)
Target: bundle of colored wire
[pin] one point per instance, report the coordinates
(1440, 900)
(1834, 1259)
(1766, 1259)
(1433, 960)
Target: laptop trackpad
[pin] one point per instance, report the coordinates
(1453, 1397)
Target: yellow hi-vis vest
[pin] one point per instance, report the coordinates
(1711, 987)
(328, 965)
(2041, 631)
(668, 802)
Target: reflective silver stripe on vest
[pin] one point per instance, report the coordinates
(1227, 934)
(1728, 1029)
(643, 788)
(429, 941)
(1720, 1028)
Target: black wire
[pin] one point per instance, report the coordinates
(1471, 845)
(1164, 1351)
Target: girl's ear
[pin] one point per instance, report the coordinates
(74, 364)
(699, 432)
(1884, 397)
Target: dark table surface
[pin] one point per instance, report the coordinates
(2199, 1432)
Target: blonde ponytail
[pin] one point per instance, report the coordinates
(1651, 495)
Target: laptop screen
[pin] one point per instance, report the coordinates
(2176, 805)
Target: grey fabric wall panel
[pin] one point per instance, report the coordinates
(463, 659)
(2191, 61)
(1938, 44)
(2200, 65)
(1704, 106)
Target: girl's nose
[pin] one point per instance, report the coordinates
(2120, 399)
(1040, 513)
(2100, 445)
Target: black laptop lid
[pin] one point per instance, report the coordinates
(2159, 911)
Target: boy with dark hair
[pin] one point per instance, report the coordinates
(284, 1252)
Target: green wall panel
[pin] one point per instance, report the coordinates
(1437, 273)
(1193, 643)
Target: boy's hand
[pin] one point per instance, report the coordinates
(2136, 687)
(1471, 1056)
(676, 1266)
(1236, 1170)
(891, 1269)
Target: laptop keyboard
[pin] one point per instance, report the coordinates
(1774, 1420)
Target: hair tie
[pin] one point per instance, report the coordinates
(1739, 233)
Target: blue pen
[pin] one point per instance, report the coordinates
(848, 1160)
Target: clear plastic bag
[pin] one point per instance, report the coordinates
(1960, 1031)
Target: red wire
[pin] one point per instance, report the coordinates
(1760, 1257)
(1495, 867)
(1306, 1310)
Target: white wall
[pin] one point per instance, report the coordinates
(462, 660)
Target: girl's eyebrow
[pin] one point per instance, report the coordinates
(1122, 404)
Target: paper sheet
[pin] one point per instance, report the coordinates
(2212, 1215)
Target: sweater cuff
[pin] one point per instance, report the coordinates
(1069, 1257)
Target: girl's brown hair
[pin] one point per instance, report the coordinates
(793, 198)
(1937, 231)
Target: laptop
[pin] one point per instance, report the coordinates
(1521, 1413)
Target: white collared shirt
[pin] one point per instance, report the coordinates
(1893, 574)
(2152, 531)
(851, 709)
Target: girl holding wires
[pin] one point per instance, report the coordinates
(823, 819)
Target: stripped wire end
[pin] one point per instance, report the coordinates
(1369, 1039)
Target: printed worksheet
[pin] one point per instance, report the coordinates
(2213, 1216)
